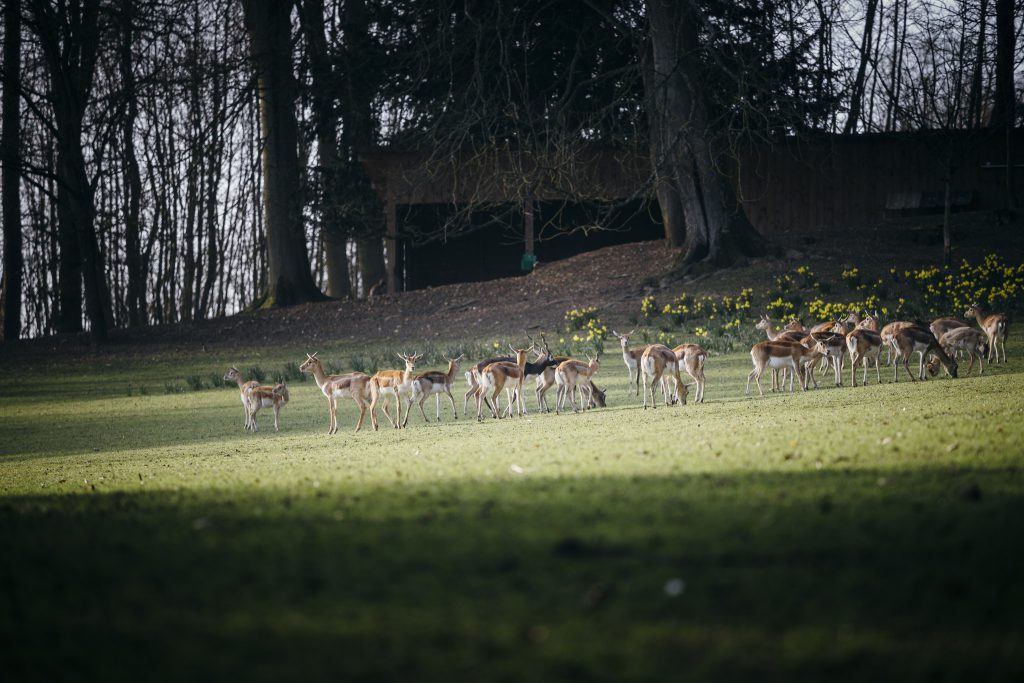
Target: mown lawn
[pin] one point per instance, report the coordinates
(845, 534)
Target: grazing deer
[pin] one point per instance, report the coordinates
(435, 383)
(832, 346)
(996, 327)
(864, 345)
(941, 326)
(234, 375)
(388, 383)
(919, 339)
(546, 380)
(656, 359)
(570, 374)
(353, 385)
(503, 375)
(691, 357)
(777, 354)
(962, 339)
(631, 357)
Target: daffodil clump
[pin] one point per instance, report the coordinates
(579, 318)
(943, 291)
(584, 327)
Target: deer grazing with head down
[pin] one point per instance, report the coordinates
(571, 374)
(962, 340)
(996, 327)
(920, 339)
(691, 357)
(353, 385)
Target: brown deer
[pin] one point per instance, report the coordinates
(996, 327)
(353, 385)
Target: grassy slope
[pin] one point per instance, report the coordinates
(838, 533)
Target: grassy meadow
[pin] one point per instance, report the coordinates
(838, 533)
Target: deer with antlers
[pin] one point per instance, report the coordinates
(435, 383)
(546, 379)
(353, 385)
(388, 383)
(996, 327)
(778, 354)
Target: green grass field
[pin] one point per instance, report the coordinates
(844, 533)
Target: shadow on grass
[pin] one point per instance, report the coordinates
(845, 575)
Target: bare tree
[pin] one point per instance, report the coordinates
(10, 167)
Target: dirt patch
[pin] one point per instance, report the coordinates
(614, 279)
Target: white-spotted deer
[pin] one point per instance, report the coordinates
(435, 383)
(919, 339)
(996, 327)
(777, 354)
(388, 383)
(353, 385)
(570, 374)
(655, 361)
(691, 357)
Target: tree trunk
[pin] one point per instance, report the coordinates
(697, 178)
(136, 289)
(1003, 109)
(857, 95)
(289, 280)
(10, 185)
(70, 43)
(364, 213)
(324, 86)
(974, 100)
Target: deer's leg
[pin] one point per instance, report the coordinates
(423, 398)
(361, 402)
(448, 392)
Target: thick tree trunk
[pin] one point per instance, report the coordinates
(1004, 104)
(10, 185)
(335, 239)
(370, 255)
(70, 44)
(697, 179)
(289, 278)
(974, 101)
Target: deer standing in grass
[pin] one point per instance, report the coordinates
(388, 383)
(778, 355)
(631, 357)
(255, 397)
(502, 375)
(996, 327)
(832, 346)
(570, 374)
(435, 383)
(864, 345)
(353, 385)
(234, 375)
(962, 339)
(793, 332)
(691, 357)
(919, 339)
(655, 360)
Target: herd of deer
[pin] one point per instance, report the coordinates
(793, 350)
